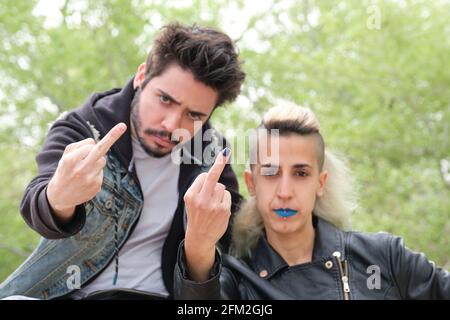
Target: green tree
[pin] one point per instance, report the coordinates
(379, 88)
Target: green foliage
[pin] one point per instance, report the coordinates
(381, 94)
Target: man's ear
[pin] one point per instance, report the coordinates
(323, 176)
(140, 75)
(248, 178)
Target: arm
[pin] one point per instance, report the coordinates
(416, 276)
(221, 283)
(208, 209)
(70, 172)
(34, 207)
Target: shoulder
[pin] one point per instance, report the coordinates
(369, 238)
(372, 246)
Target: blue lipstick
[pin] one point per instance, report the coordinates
(285, 212)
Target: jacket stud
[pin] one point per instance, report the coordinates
(263, 273)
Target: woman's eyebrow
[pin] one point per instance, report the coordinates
(268, 165)
(302, 165)
(297, 165)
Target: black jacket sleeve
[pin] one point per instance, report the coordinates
(187, 289)
(416, 276)
(34, 206)
(221, 283)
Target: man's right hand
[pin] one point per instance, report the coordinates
(79, 175)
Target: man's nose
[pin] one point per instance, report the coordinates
(171, 121)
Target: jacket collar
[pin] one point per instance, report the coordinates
(328, 239)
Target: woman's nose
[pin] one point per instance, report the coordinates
(284, 188)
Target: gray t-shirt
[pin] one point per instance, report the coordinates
(140, 257)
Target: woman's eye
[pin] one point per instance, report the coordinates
(269, 171)
(164, 99)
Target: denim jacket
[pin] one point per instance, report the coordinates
(70, 256)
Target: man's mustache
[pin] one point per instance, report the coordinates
(161, 133)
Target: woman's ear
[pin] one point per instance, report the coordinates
(323, 176)
(249, 182)
(140, 76)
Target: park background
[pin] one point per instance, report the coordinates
(377, 74)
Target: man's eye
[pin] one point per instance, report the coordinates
(164, 99)
(269, 171)
(194, 116)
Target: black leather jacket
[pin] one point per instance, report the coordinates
(345, 265)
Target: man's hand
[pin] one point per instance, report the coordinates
(79, 175)
(208, 207)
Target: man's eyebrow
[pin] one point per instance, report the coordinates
(169, 97)
(179, 103)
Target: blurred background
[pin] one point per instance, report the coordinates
(377, 74)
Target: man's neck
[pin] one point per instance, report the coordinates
(295, 248)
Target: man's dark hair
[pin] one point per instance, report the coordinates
(209, 54)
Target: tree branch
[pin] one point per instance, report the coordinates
(254, 19)
(445, 171)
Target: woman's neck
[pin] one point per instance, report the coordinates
(295, 248)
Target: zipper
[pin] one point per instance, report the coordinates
(343, 273)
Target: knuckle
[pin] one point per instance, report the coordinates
(102, 161)
(77, 172)
(202, 176)
(68, 147)
(89, 181)
(225, 209)
(67, 161)
(89, 147)
(187, 198)
(202, 205)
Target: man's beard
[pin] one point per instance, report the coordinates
(137, 124)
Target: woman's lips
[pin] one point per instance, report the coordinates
(285, 212)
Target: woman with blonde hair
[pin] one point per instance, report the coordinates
(291, 237)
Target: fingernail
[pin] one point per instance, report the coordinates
(226, 152)
(122, 126)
